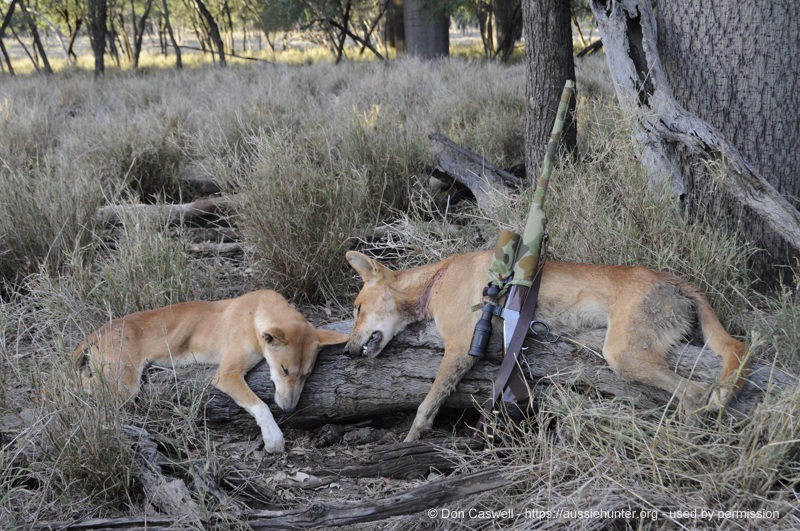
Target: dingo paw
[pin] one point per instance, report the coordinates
(274, 445)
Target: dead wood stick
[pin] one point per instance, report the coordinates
(169, 496)
(405, 460)
(433, 494)
(199, 212)
(452, 162)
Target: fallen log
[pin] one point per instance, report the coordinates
(319, 514)
(404, 460)
(342, 389)
(200, 212)
(455, 163)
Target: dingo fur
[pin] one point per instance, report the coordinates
(646, 313)
(235, 334)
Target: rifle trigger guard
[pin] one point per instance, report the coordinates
(542, 332)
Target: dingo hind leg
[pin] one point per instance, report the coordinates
(732, 351)
(641, 333)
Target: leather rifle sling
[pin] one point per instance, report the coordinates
(509, 373)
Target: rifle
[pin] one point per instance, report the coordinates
(519, 283)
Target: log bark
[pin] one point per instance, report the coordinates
(315, 515)
(342, 389)
(454, 163)
(661, 125)
(200, 212)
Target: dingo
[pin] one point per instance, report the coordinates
(234, 334)
(646, 313)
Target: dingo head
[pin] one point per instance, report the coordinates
(378, 312)
(291, 351)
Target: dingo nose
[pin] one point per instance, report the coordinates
(288, 408)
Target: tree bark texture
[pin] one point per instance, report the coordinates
(507, 26)
(675, 142)
(735, 64)
(548, 57)
(168, 27)
(343, 389)
(427, 31)
(213, 31)
(395, 33)
(98, 14)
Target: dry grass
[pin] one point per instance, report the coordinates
(314, 155)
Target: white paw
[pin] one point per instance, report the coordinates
(718, 399)
(274, 444)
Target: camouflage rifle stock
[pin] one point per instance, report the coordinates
(521, 299)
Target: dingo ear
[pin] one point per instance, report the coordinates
(329, 337)
(369, 269)
(275, 337)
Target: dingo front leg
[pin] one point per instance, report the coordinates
(455, 364)
(233, 384)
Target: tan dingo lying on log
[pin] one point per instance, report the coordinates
(235, 334)
(647, 313)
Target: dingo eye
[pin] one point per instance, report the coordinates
(358, 310)
(285, 370)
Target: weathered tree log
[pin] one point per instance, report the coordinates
(342, 389)
(404, 460)
(169, 496)
(200, 212)
(452, 162)
(214, 249)
(414, 500)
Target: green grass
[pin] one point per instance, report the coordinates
(312, 157)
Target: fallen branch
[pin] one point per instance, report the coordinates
(169, 496)
(200, 212)
(405, 460)
(433, 494)
(452, 162)
(216, 249)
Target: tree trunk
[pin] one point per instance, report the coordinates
(735, 66)
(213, 31)
(168, 26)
(427, 31)
(394, 31)
(3, 26)
(549, 61)
(98, 13)
(35, 33)
(343, 389)
(675, 142)
(138, 30)
(507, 26)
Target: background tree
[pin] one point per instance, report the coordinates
(427, 28)
(736, 67)
(98, 13)
(705, 165)
(6, 22)
(549, 60)
(213, 30)
(171, 34)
